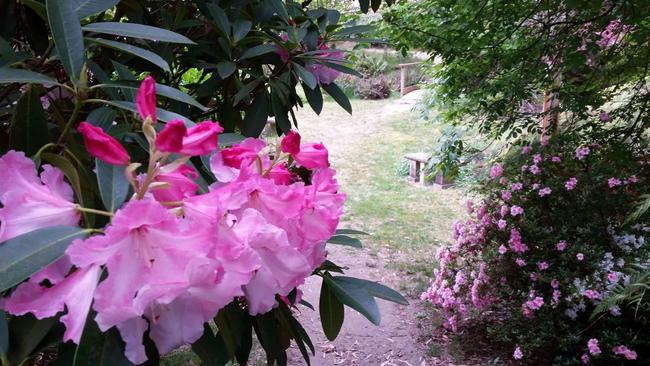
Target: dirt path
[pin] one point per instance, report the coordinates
(395, 341)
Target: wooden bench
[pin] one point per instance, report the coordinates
(416, 173)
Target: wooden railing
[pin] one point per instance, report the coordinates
(402, 75)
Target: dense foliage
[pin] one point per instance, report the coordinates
(100, 164)
(503, 65)
(549, 260)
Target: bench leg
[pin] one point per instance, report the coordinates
(417, 172)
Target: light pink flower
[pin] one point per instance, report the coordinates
(506, 195)
(580, 256)
(29, 202)
(526, 149)
(561, 245)
(584, 358)
(180, 184)
(516, 186)
(502, 249)
(571, 184)
(201, 139)
(501, 224)
(556, 159)
(517, 354)
(542, 265)
(613, 182)
(534, 169)
(544, 191)
(624, 351)
(520, 262)
(537, 158)
(516, 210)
(582, 152)
(603, 116)
(312, 156)
(592, 294)
(496, 171)
(592, 344)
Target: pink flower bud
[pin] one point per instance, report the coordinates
(170, 139)
(201, 139)
(291, 143)
(312, 156)
(146, 99)
(103, 146)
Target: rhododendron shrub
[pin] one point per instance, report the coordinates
(169, 256)
(545, 243)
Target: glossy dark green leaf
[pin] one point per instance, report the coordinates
(126, 76)
(267, 331)
(162, 90)
(331, 312)
(355, 30)
(350, 232)
(26, 334)
(246, 90)
(296, 331)
(345, 240)
(314, 98)
(220, 19)
(280, 112)
(226, 68)
(356, 298)
(163, 115)
(97, 348)
(132, 50)
(113, 185)
(256, 115)
(305, 75)
(37, 7)
(339, 97)
(66, 32)
(258, 50)
(4, 335)
(9, 76)
(211, 348)
(29, 123)
(26, 254)
(85, 8)
(373, 288)
(102, 117)
(279, 8)
(135, 30)
(240, 29)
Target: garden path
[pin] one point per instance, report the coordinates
(357, 144)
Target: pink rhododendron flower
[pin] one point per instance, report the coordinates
(103, 146)
(613, 182)
(584, 358)
(580, 256)
(170, 139)
(592, 294)
(506, 195)
(146, 99)
(612, 277)
(290, 143)
(624, 351)
(180, 184)
(561, 245)
(603, 116)
(325, 74)
(516, 210)
(504, 210)
(516, 243)
(503, 180)
(501, 224)
(555, 283)
(592, 344)
(502, 249)
(524, 168)
(30, 202)
(520, 262)
(542, 265)
(571, 184)
(613, 34)
(544, 191)
(537, 158)
(633, 179)
(582, 152)
(526, 150)
(534, 169)
(517, 355)
(535, 186)
(201, 139)
(469, 205)
(516, 186)
(312, 156)
(496, 171)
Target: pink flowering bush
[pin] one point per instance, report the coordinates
(170, 254)
(545, 246)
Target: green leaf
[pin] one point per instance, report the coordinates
(257, 51)
(102, 117)
(211, 349)
(66, 32)
(355, 30)
(256, 115)
(331, 311)
(9, 76)
(28, 253)
(85, 8)
(226, 68)
(351, 232)
(246, 90)
(280, 9)
(25, 334)
(339, 97)
(240, 29)
(355, 298)
(113, 185)
(132, 50)
(37, 7)
(4, 335)
(220, 18)
(280, 112)
(97, 348)
(29, 123)
(373, 288)
(162, 90)
(162, 114)
(139, 31)
(345, 240)
(314, 98)
(306, 76)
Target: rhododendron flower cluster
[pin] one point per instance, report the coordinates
(172, 256)
(540, 251)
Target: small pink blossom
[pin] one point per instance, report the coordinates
(524, 168)
(556, 159)
(535, 186)
(516, 210)
(496, 171)
(520, 262)
(290, 143)
(561, 245)
(526, 149)
(502, 249)
(537, 158)
(542, 266)
(534, 169)
(584, 358)
(580, 256)
(518, 355)
(501, 224)
(504, 210)
(555, 283)
(146, 99)
(570, 184)
(544, 191)
(506, 195)
(633, 179)
(603, 116)
(592, 344)
(516, 186)
(613, 182)
(503, 180)
(582, 152)
(612, 277)
(592, 294)
(624, 351)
